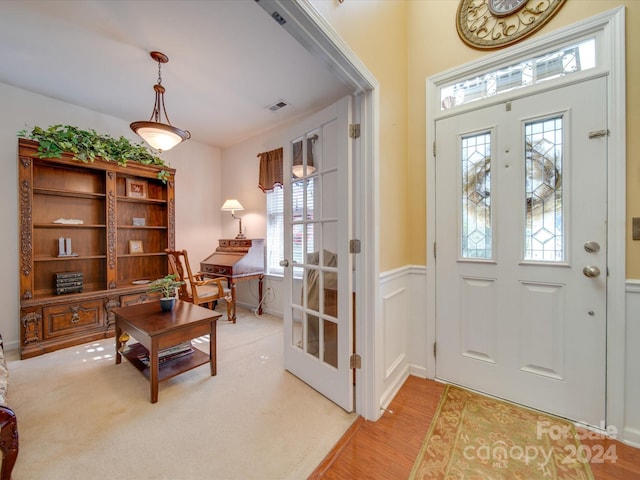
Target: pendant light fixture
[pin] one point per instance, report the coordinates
(161, 136)
(298, 167)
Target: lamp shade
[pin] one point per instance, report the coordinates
(231, 205)
(160, 136)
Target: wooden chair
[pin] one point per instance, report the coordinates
(196, 288)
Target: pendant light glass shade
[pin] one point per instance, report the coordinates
(298, 163)
(159, 135)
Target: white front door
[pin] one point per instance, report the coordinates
(521, 254)
(317, 277)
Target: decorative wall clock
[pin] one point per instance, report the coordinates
(488, 24)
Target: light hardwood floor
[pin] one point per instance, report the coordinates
(387, 449)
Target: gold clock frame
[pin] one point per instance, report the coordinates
(479, 28)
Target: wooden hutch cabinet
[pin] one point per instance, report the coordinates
(91, 234)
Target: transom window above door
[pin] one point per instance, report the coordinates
(559, 62)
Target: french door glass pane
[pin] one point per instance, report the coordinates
(476, 238)
(314, 216)
(544, 231)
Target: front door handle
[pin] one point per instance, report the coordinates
(592, 247)
(591, 271)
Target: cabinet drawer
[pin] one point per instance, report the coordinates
(243, 242)
(72, 317)
(136, 298)
(215, 269)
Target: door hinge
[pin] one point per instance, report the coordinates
(354, 246)
(599, 133)
(354, 130)
(434, 249)
(435, 349)
(355, 361)
(434, 149)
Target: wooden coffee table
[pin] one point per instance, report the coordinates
(156, 330)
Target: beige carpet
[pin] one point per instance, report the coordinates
(80, 416)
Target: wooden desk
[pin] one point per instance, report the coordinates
(237, 260)
(156, 330)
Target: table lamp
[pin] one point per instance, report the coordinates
(232, 205)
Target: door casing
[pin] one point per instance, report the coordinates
(315, 34)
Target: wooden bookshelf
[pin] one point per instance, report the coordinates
(100, 195)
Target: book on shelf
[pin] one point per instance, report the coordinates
(74, 289)
(69, 275)
(168, 354)
(69, 283)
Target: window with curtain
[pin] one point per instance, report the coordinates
(275, 231)
(275, 226)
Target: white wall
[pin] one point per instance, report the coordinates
(198, 216)
(240, 167)
(198, 173)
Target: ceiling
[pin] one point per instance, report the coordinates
(228, 61)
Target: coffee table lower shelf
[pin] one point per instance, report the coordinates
(167, 369)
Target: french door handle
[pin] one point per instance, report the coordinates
(284, 263)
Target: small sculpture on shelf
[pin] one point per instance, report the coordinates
(167, 287)
(64, 248)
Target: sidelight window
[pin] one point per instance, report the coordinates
(544, 231)
(476, 196)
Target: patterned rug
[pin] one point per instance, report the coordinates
(473, 437)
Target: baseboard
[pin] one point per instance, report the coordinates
(418, 371)
(632, 437)
(254, 307)
(12, 345)
(394, 387)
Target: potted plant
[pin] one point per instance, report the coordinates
(167, 287)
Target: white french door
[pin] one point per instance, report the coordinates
(521, 266)
(318, 265)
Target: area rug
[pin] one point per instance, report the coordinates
(473, 437)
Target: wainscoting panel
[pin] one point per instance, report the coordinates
(402, 329)
(394, 314)
(631, 428)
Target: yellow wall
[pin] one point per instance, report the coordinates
(376, 30)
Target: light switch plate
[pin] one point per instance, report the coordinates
(635, 228)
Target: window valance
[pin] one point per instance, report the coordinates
(270, 174)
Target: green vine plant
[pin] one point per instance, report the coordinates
(86, 145)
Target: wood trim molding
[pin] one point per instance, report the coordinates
(337, 449)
